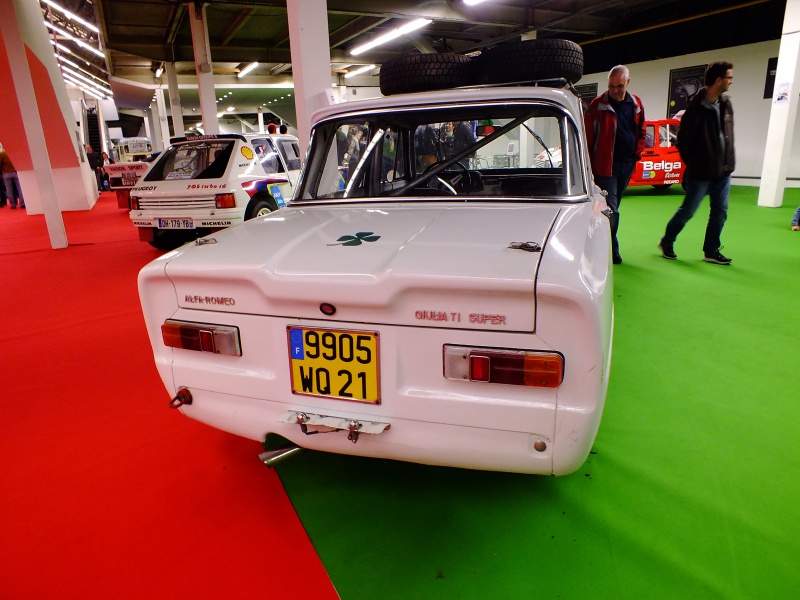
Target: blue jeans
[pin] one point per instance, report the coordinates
(696, 189)
(615, 186)
(796, 217)
(13, 189)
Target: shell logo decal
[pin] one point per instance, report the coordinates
(247, 153)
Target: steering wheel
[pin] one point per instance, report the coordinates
(444, 183)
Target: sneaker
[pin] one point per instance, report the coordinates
(717, 258)
(616, 258)
(666, 250)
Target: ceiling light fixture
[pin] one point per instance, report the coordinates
(358, 71)
(387, 37)
(472, 2)
(80, 43)
(159, 71)
(62, 59)
(247, 69)
(278, 69)
(231, 108)
(87, 81)
(71, 16)
(81, 87)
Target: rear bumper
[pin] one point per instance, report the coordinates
(200, 219)
(444, 444)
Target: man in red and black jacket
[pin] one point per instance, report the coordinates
(615, 133)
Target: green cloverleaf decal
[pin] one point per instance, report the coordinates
(357, 239)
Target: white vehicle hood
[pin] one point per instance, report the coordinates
(438, 265)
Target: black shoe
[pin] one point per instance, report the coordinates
(717, 258)
(616, 258)
(666, 250)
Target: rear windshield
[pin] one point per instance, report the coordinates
(203, 159)
(525, 151)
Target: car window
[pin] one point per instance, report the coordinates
(207, 159)
(485, 151)
(650, 136)
(267, 155)
(290, 150)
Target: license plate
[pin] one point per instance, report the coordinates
(129, 182)
(332, 363)
(175, 224)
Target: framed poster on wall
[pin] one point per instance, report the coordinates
(587, 92)
(683, 84)
(769, 84)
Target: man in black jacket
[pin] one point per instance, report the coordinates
(705, 142)
(95, 164)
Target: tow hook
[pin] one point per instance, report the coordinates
(183, 396)
(353, 426)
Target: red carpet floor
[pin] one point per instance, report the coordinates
(105, 492)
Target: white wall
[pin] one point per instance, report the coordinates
(650, 81)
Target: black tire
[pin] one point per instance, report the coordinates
(531, 60)
(260, 206)
(424, 72)
(170, 239)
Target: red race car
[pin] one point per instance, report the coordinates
(660, 165)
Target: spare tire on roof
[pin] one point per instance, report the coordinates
(530, 60)
(424, 72)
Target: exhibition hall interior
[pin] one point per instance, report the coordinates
(215, 215)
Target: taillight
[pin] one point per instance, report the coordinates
(513, 367)
(202, 337)
(135, 202)
(225, 201)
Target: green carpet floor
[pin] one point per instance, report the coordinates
(692, 488)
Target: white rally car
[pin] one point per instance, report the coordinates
(207, 182)
(411, 302)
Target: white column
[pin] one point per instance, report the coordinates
(783, 114)
(34, 132)
(163, 124)
(204, 67)
(260, 120)
(176, 110)
(311, 61)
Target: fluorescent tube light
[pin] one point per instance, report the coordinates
(247, 69)
(80, 43)
(358, 71)
(77, 66)
(86, 80)
(78, 85)
(387, 37)
(71, 16)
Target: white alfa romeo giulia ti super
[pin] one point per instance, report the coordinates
(432, 293)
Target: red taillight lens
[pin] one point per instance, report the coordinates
(201, 337)
(225, 201)
(512, 367)
(135, 202)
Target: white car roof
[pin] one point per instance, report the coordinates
(453, 96)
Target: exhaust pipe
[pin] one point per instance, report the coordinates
(272, 457)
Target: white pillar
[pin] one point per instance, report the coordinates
(175, 108)
(783, 114)
(34, 132)
(311, 62)
(204, 67)
(260, 120)
(163, 124)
